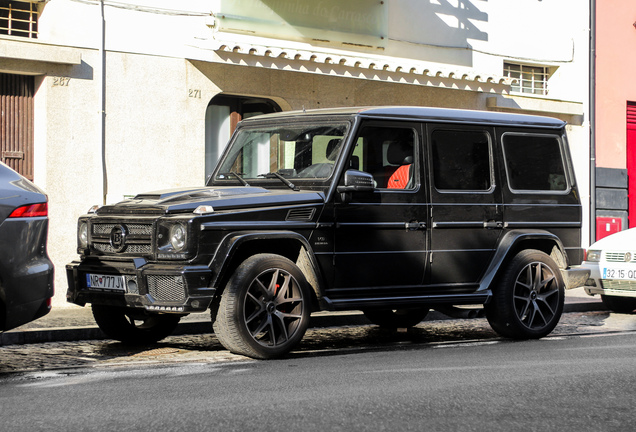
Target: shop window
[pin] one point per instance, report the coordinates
(19, 18)
(530, 79)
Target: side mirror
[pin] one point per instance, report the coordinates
(357, 181)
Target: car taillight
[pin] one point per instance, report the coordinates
(31, 210)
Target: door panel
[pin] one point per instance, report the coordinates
(466, 218)
(380, 237)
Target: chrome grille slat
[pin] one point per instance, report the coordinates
(616, 284)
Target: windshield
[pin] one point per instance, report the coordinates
(290, 151)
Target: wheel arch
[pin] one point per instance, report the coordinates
(237, 247)
(514, 242)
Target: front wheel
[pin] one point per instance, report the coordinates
(396, 318)
(265, 307)
(132, 326)
(527, 302)
(619, 304)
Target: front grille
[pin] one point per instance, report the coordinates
(133, 229)
(138, 240)
(614, 284)
(619, 257)
(166, 288)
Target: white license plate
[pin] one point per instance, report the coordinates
(618, 273)
(108, 282)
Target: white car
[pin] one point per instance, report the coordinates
(612, 265)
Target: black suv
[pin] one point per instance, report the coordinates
(388, 210)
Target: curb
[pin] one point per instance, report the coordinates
(320, 320)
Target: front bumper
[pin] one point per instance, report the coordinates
(166, 288)
(595, 284)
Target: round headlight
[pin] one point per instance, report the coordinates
(178, 237)
(82, 235)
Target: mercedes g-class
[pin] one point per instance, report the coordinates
(388, 210)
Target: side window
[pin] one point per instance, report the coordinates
(461, 160)
(534, 162)
(389, 154)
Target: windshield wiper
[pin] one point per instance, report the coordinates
(238, 177)
(281, 178)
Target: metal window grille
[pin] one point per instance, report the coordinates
(530, 79)
(19, 18)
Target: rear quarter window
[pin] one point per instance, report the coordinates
(534, 163)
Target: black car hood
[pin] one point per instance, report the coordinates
(185, 200)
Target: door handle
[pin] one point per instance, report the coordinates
(414, 226)
(493, 224)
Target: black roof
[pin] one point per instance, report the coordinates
(427, 113)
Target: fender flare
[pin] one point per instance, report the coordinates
(231, 243)
(507, 247)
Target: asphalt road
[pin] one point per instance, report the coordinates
(574, 380)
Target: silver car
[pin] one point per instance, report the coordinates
(26, 272)
(612, 265)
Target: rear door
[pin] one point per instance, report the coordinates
(466, 213)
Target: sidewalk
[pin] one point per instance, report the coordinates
(75, 323)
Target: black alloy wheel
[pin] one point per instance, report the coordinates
(528, 301)
(265, 308)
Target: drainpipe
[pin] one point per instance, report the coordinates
(102, 99)
(592, 121)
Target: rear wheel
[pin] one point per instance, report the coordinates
(396, 318)
(265, 308)
(619, 304)
(134, 327)
(527, 302)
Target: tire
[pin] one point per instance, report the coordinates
(527, 302)
(396, 318)
(265, 308)
(134, 327)
(619, 304)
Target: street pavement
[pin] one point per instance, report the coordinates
(74, 323)
(67, 339)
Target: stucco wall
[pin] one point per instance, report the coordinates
(615, 84)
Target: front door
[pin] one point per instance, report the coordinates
(380, 236)
(466, 213)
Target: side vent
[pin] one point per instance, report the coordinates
(301, 215)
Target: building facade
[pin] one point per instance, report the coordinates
(114, 98)
(614, 117)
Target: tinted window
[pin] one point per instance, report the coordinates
(534, 162)
(461, 160)
(388, 153)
